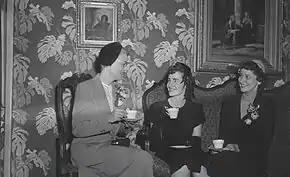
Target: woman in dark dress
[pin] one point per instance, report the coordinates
(177, 140)
(247, 126)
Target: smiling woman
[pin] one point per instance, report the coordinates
(246, 126)
(177, 122)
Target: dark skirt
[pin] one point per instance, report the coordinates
(176, 158)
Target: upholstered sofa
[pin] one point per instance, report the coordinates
(211, 99)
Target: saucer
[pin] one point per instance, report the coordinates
(216, 149)
(181, 146)
(131, 119)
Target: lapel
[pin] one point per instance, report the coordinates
(235, 110)
(257, 101)
(100, 96)
(114, 90)
(102, 106)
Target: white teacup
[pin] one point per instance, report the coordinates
(172, 112)
(131, 114)
(218, 144)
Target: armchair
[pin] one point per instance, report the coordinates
(64, 100)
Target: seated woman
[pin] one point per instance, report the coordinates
(246, 32)
(175, 136)
(247, 127)
(96, 121)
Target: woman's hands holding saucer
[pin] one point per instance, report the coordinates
(232, 147)
(118, 115)
(229, 147)
(131, 115)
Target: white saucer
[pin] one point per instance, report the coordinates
(131, 119)
(216, 149)
(181, 146)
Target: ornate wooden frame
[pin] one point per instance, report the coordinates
(113, 5)
(208, 62)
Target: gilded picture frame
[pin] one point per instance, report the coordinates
(210, 58)
(98, 22)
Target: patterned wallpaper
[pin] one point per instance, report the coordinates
(157, 33)
(45, 51)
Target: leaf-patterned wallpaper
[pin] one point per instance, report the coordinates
(157, 33)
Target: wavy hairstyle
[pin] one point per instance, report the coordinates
(187, 78)
(257, 70)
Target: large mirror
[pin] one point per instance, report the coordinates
(230, 31)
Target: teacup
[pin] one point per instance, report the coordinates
(131, 114)
(172, 112)
(218, 144)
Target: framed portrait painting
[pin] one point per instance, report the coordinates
(231, 31)
(98, 22)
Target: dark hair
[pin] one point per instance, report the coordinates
(186, 78)
(254, 67)
(104, 17)
(107, 56)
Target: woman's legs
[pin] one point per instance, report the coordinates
(142, 165)
(182, 172)
(224, 164)
(203, 173)
(118, 161)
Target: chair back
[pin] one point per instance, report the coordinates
(64, 101)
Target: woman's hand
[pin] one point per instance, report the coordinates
(229, 147)
(118, 115)
(232, 147)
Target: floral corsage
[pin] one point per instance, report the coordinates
(122, 94)
(253, 114)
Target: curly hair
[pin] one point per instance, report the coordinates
(187, 78)
(257, 70)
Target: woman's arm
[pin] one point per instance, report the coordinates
(223, 124)
(195, 140)
(197, 130)
(264, 129)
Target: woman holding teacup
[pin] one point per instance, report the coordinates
(177, 122)
(96, 149)
(246, 126)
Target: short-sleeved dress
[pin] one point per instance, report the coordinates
(166, 132)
